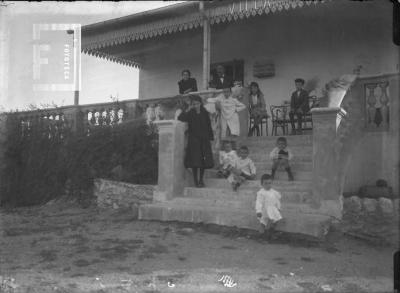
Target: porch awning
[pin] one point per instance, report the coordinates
(173, 19)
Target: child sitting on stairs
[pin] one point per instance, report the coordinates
(244, 169)
(281, 156)
(227, 159)
(268, 206)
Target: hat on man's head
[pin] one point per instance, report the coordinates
(299, 80)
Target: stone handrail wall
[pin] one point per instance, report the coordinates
(359, 119)
(83, 118)
(339, 126)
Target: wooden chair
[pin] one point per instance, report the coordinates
(279, 119)
(264, 120)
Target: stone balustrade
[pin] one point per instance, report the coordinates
(83, 118)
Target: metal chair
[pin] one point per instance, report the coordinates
(279, 119)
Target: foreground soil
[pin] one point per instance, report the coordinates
(62, 247)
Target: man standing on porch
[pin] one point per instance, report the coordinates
(222, 81)
(298, 105)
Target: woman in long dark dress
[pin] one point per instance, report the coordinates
(187, 84)
(198, 152)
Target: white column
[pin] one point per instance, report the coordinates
(77, 63)
(206, 47)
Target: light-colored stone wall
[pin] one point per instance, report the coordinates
(372, 219)
(117, 195)
(376, 154)
(317, 42)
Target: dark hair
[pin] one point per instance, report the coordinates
(265, 177)
(299, 80)
(186, 70)
(253, 83)
(244, 148)
(224, 142)
(196, 98)
(283, 139)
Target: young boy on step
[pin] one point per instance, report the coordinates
(281, 156)
(268, 205)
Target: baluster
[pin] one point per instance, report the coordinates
(384, 99)
(96, 116)
(114, 117)
(371, 101)
(104, 117)
(120, 116)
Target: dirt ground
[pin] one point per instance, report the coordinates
(65, 248)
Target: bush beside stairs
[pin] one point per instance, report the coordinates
(218, 204)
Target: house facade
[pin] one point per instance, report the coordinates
(315, 40)
(344, 51)
(270, 42)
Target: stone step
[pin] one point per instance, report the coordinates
(294, 221)
(241, 205)
(246, 196)
(291, 139)
(280, 175)
(263, 156)
(296, 149)
(279, 185)
(296, 165)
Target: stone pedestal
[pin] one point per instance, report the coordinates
(326, 164)
(171, 150)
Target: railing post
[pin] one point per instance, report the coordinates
(326, 160)
(171, 170)
(3, 139)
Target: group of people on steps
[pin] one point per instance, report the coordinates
(236, 165)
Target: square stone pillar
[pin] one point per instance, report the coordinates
(326, 179)
(171, 152)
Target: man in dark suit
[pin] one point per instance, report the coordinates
(298, 105)
(221, 80)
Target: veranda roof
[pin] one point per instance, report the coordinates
(97, 37)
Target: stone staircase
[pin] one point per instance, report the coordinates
(217, 203)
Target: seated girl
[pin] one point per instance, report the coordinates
(257, 107)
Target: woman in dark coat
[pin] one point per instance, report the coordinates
(187, 84)
(198, 152)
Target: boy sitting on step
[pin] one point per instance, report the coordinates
(281, 156)
(268, 206)
(244, 169)
(227, 159)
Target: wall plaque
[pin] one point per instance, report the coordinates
(263, 69)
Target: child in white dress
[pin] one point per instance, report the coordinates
(268, 205)
(227, 159)
(229, 112)
(244, 169)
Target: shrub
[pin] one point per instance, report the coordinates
(39, 168)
